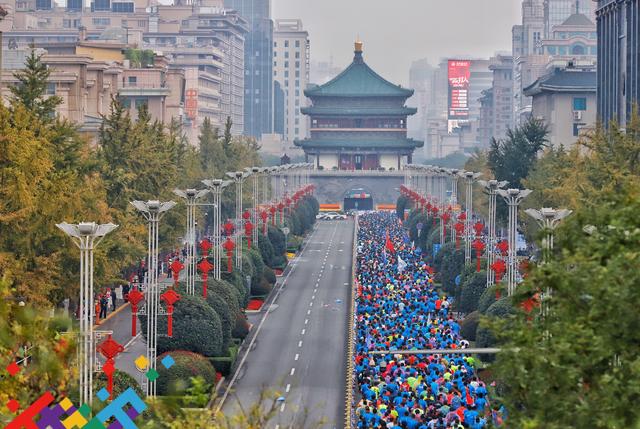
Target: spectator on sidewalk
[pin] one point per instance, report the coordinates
(113, 299)
(104, 304)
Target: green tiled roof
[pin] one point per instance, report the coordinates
(355, 111)
(376, 144)
(358, 80)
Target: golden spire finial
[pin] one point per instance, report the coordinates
(359, 45)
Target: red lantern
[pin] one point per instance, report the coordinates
(281, 210)
(478, 227)
(176, 266)
(444, 218)
(462, 217)
(110, 348)
(228, 228)
(272, 210)
(499, 267)
(459, 227)
(503, 247)
(264, 216)
(228, 246)
(135, 296)
(248, 230)
(479, 246)
(205, 266)
(205, 246)
(246, 215)
(434, 210)
(170, 297)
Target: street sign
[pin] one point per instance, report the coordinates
(286, 231)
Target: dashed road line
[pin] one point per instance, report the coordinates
(293, 371)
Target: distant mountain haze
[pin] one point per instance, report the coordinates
(396, 33)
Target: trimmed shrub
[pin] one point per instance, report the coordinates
(175, 380)
(452, 266)
(258, 267)
(499, 309)
(469, 326)
(235, 280)
(196, 327)
(471, 291)
(269, 275)
(262, 289)
(121, 382)
(401, 205)
(241, 329)
(487, 298)
(266, 250)
(276, 236)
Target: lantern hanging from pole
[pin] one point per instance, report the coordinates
(434, 210)
(228, 246)
(444, 218)
(264, 216)
(170, 297)
(272, 210)
(135, 296)
(205, 246)
(204, 266)
(459, 227)
(479, 246)
(503, 247)
(228, 228)
(281, 210)
(110, 348)
(499, 267)
(246, 215)
(176, 266)
(478, 227)
(248, 231)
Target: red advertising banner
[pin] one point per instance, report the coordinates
(191, 103)
(459, 74)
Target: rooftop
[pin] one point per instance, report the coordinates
(377, 144)
(564, 80)
(358, 80)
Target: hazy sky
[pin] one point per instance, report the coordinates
(397, 32)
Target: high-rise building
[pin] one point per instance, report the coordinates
(420, 79)
(557, 11)
(528, 58)
(258, 62)
(496, 103)
(575, 39)
(291, 70)
(618, 24)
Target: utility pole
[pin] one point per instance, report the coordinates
(86, 236)
(491, 188)
(513, 198)
(152, 211)
(217, 187)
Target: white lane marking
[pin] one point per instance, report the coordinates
(311, 304)
(264, 318)
(282, 407)
(306, 321)
(303, 332)
(297, 357)
(293, 370)
(308, 312)
(299, 344)
(288, 388)
(313, 297)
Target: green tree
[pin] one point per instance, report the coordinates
(31, 87)
(512, 158)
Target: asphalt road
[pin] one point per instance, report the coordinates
(300, 345)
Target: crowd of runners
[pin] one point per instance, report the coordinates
(398, 308)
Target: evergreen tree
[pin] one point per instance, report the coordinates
(212, 155)
(227, 139)
(31, 87)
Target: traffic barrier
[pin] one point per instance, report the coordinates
(348, 409)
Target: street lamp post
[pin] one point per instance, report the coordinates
(491, 188)
(191, 196)
(513, 198)
(152, 211)
(548, 219)
(217, 187)
(469, 177)
(257, 172)
(238, 178)
(86, 235)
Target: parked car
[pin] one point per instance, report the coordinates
(334, 216)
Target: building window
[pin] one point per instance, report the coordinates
(286, 43)
(141, 102)
(579, 103)
(101, 22)
(286, 64)
(286, 54)
(275, 44)
(142, 23)
(297, 83)
(576, 129)
(275, 54)
(51, 88)
(257, 53)
(133, 80)
(286, 73)
(297, 43)
(297, 73)
(297, 54)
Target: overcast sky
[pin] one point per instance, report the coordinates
(397, 32)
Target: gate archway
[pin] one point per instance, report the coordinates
(358, 198)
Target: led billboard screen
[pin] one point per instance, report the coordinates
(459, 74)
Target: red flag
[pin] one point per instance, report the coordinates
(389, 245)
